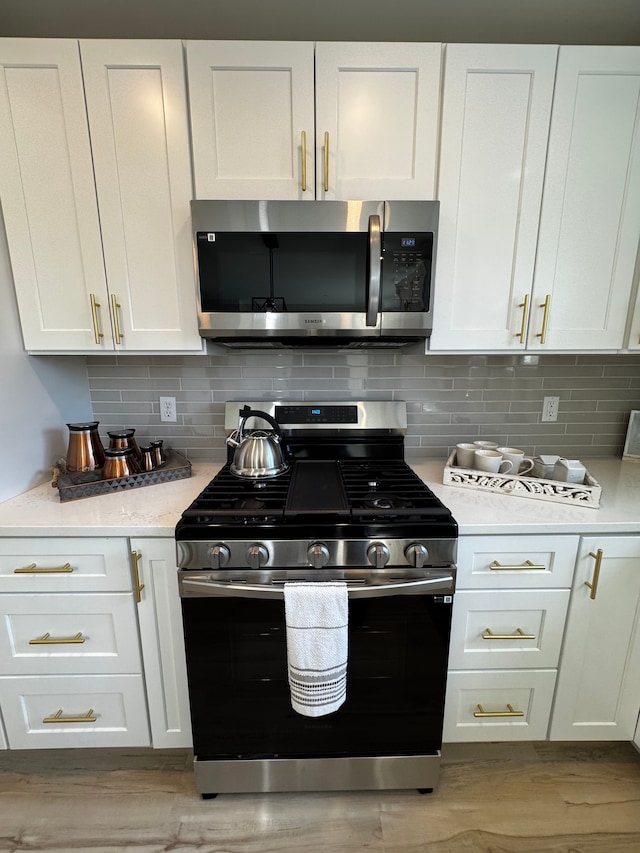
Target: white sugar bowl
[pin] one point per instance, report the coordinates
(569, 471)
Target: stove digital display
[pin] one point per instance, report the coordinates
(317, 414)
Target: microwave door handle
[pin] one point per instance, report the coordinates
(375, 270)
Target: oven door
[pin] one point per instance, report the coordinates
(237, 666)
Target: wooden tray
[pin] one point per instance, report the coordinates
(88, 485)
(578, 494)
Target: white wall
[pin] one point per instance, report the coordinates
(38, 396)
(486, 21)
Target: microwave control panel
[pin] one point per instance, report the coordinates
(406, 271)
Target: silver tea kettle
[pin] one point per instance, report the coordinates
(259, 454)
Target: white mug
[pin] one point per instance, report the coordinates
(486, 445)
(465, 454)
(492, 461)
(521, 464)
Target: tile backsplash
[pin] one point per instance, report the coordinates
(450, 398)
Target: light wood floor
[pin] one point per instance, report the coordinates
(498, 798)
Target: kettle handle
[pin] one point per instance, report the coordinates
(246, 412)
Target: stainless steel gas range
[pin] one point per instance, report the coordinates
(345, 508)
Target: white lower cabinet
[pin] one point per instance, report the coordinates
(486, 705)
(160, 618)
(51, 711)
(508, 621)
(70, 663)
(598, 693)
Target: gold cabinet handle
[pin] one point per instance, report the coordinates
(303, 145)
(326, 161)
(47, 640)
(545, 316)
(89, 717)
(510, 713)
(519, 635)
(32, 568)
(525, 310)
(593, 586)
(498, 567)
(137, 586)
(115, 305)
(97, 334)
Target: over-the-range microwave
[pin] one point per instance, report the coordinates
(319, 273)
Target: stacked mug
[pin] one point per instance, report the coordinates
(490, 457)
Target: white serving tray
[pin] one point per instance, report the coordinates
(578, 494)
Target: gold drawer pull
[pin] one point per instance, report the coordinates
(137, 586)
(32, 568)
(89, 717)
(97, 334)
(542, 334)
(303, 154)
(326, 161)
(498, 567)
(519, 635)
(510, 713)
(593, 585)
(46, 639)
(115, 305)
(525, 309)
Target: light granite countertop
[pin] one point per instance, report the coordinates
(155, 510)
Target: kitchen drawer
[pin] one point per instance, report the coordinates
(64, 564)
(494, 694)
(507, 629)
(516, 562)
(46, 712)
(68, 634)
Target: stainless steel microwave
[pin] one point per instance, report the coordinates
(327, 273)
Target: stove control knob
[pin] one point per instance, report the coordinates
(416, 554)
(220, 556)
(257, 555)
(378, 555)
(318, 555)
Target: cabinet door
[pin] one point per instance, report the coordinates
(598, 693)
(160, 619)
(137, 109)
(376, 120)
(495, 119)
(590, 220)
(48, 196)
(69, 634)
(71, 711)
(252, 119)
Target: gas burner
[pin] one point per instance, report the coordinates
(376, 501)
(249, 503)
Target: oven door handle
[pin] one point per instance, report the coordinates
(443, 584)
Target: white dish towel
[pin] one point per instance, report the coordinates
(317, 617)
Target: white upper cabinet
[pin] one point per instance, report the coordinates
(48, 195)
(539, 185)
(251, 108)
(377, 110)
(590, 221)
(280, 120)
(496, 107)
(137, 108)
(67, 224)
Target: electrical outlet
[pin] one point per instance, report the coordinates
(168, 409)
(550, 408)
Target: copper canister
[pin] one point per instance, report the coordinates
(85, 451)
(119, 462)
(125, 438)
